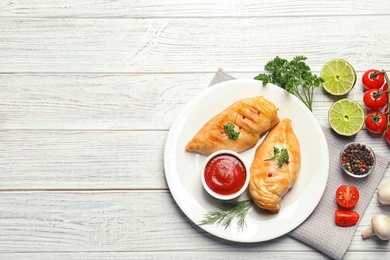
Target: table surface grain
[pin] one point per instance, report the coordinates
(89, 89)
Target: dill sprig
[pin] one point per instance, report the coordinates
(227, 212)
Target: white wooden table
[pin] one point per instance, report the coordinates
(89, 89)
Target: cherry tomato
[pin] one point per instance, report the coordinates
(387, 136)
(376, 122)
(385, 87)
(346, 217)
(375, 82)
(347, 196)
(385, 109)
(375, 99)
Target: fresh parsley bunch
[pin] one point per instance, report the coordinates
(294, 76)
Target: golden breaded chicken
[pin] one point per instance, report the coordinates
(269, 181)
(251, 117)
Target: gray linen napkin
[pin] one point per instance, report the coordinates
(319, 228)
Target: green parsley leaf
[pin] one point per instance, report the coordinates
(283, 157)
(294, 76)
(280, 155)
(229, 129)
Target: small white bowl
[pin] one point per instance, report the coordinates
(229, 196)
(345, 167)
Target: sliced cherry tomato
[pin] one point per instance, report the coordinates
(347, 196)
(346, 217)
(372, 82)
(375, 99)
(376, 122)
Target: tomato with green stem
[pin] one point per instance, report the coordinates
(375, 99)
(376, 122)
(373, 79)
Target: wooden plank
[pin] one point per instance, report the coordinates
(297, 255)
(105, 222)
(309, 255)
(94, 159)
(113, 102)
(185, 45)
(180, 8)
(82, 160)
(124, 222)
(133, 102)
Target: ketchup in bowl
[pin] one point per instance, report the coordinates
(225, 175)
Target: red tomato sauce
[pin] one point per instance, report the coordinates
(225, 174)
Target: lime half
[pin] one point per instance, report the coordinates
(346, 117)
(339, 77)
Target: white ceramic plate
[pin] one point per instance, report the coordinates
(182, 169)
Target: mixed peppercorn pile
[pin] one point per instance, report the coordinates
(357, 159)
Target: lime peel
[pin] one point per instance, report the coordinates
(339, 77)
(346, 117)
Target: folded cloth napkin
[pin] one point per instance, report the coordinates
(319, 229)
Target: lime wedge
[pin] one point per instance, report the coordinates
(339, 77)
(346, 117)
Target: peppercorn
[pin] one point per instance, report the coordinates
(357, 159)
